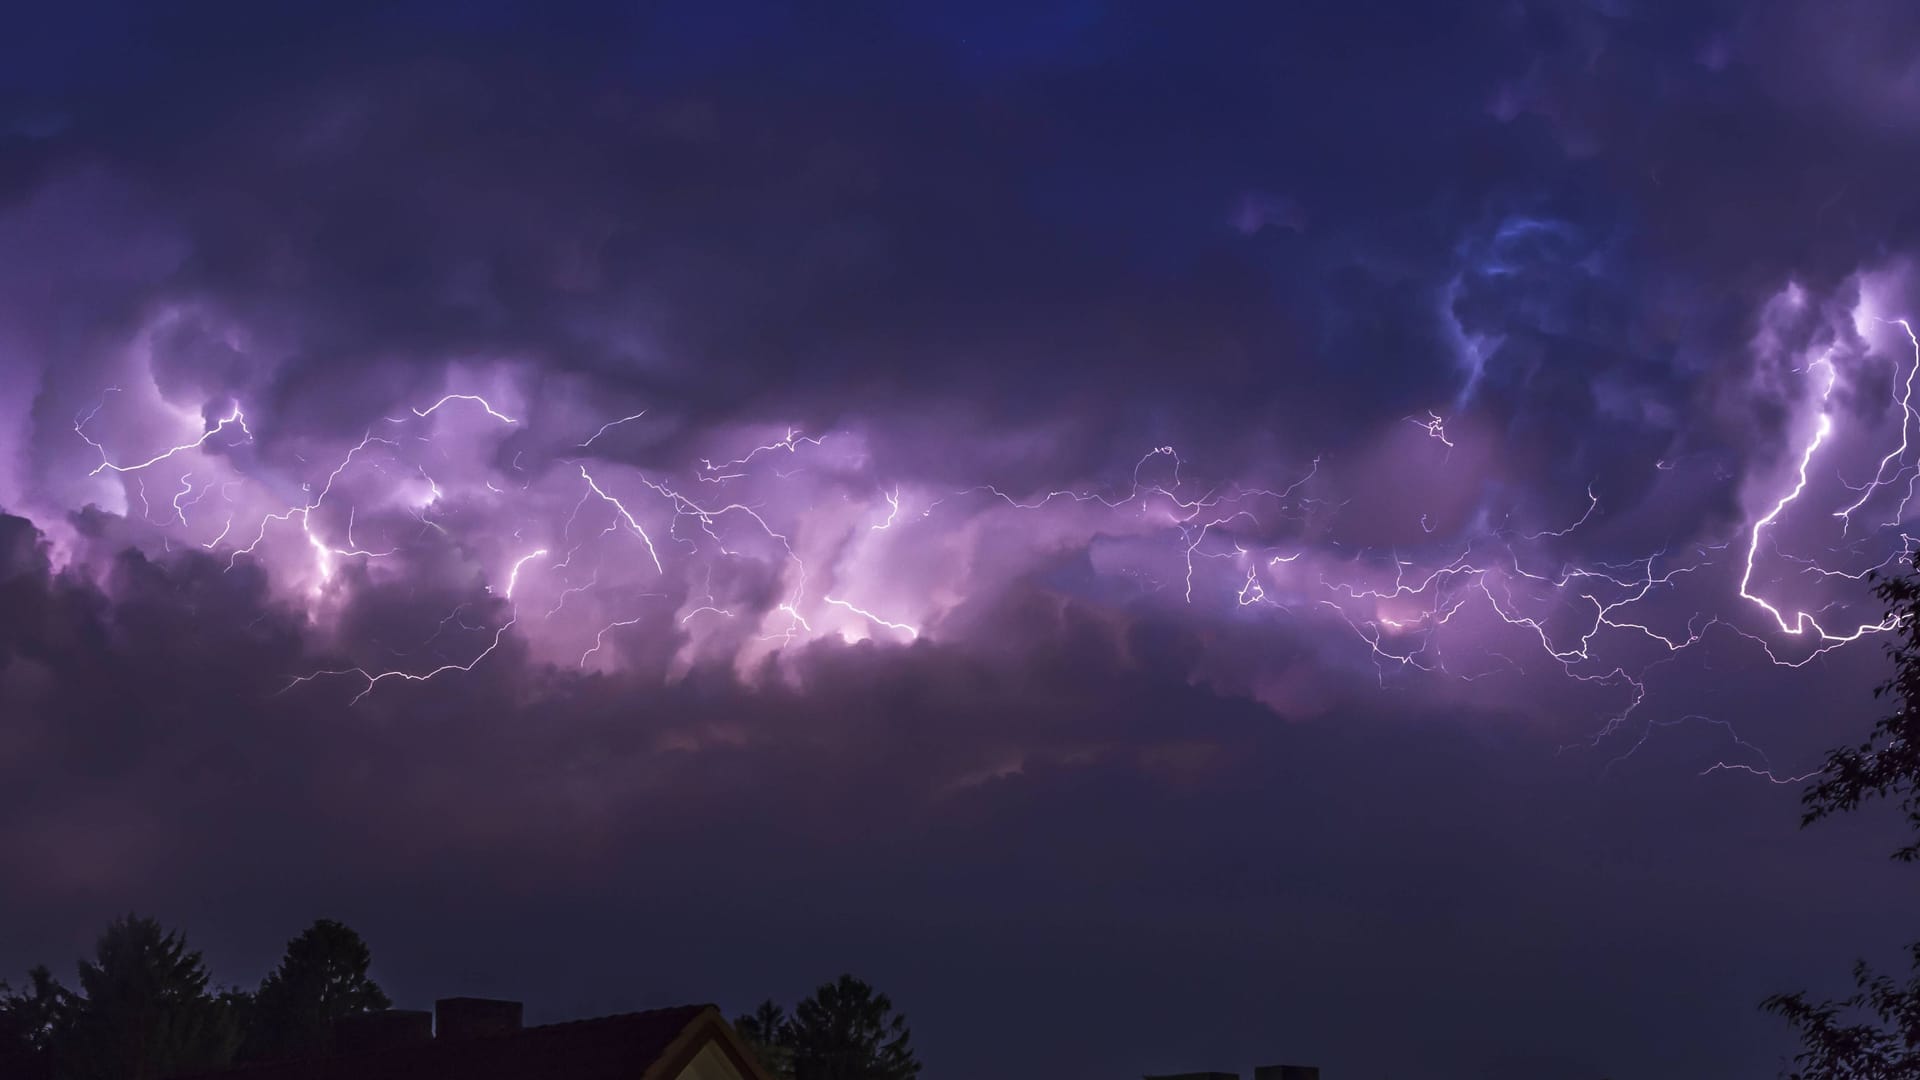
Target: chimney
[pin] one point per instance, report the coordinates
(467, 1018)
(385, 1030)
(1287, 1072)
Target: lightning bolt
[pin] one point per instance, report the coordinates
(475, 398)
(234, 417)
(626, 516)
(1267, 548)
(1897, 453)
(872, 618)
(1802, 620)
(604, 428)
(1435, 426)
(513, 575)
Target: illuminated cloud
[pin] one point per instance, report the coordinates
(1000, 425)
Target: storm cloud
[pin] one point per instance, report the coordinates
(1047, 505)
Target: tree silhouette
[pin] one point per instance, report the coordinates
(1887, 765)
(31, 1022)
(1874, 1033)
(31, 1019)
(143, 1009)
(845, 1031)
(321, 978)
(765, 1031)
(1834, 1049)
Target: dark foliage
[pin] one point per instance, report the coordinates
(846, 1031)
(843, 1031)
(1874, 1033)
(143, 1008)
(765, 1031)
(32, 1019)
(322, 977)
(1887, 764)
(1834, 1048)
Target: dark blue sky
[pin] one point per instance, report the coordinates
(1437, 748)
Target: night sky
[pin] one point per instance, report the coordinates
(1163, 536)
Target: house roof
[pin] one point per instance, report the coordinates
(653, 1045)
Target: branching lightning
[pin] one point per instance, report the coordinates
(1455, 607)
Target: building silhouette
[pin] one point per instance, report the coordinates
(484, 1039)
(1263, 1072)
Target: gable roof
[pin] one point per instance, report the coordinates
(653, 1045)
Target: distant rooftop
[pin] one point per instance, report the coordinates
(1264, 1072)
(688, 1041)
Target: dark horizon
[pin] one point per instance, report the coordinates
(1163, 539)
